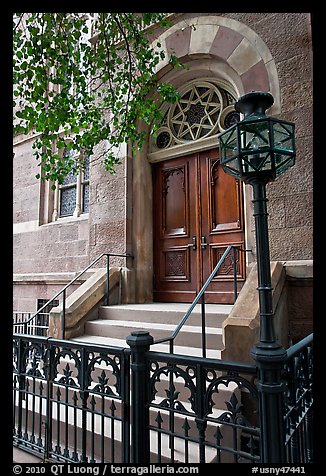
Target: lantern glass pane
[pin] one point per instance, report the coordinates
(258, 162)
(283, 162)
(283, 136)
(232, 167)
(255, 135)
(228, 144)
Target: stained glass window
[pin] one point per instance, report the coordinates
(85, 198)
(67, 201)
(85, 185)
(74, 192)
(68, 190)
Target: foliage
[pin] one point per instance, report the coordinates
(73, 93)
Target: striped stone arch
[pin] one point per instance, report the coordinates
(229, 41)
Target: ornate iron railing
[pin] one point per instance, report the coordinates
(77, 402)
(201, 417)
(71, 400)
(32, 326)
(298, 375)
(201, 298)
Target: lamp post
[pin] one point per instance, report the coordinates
(256, 150)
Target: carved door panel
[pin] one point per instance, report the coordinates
(197, 214)
(175, 257)
(222, 224)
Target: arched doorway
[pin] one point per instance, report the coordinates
(197, 208)
(221, 48)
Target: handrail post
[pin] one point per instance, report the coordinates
(139, 342)
(107, 289)
(235, 286)
(203, 325)
(63, 321)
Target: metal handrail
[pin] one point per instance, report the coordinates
(63, 290)
(299, 346)
(201, 296)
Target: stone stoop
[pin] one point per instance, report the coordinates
(115, 323)
(113, 326)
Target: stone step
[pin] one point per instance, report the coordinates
(168, 313)
(188, 336)
(214, 353)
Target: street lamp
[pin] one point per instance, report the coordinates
(256, 150)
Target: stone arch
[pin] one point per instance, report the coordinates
(250, 63)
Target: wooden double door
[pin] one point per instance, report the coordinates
(198, 212)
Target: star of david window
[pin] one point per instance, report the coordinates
(204, 109)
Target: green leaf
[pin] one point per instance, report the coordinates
(91, 92)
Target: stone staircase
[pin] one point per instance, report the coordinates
(115, 323)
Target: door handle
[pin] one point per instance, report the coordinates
(193, 243)
(203, 242)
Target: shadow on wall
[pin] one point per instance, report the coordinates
(292, 283)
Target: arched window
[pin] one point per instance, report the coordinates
(204, 109)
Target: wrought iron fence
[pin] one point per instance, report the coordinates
(298, 376)
(24, 324)
(71, 400)
(76, 402)
(197, 414)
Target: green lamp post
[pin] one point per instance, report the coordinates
(257, 150)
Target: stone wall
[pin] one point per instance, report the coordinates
(57, 247)
(107, 216)
(288, 37)
(114, 222)
(26, 293)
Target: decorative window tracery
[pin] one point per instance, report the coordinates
(72, 197)
(204, 109)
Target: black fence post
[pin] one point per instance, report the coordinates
(84, 394)
(270, 364)
(49, 371)
(139, 342)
